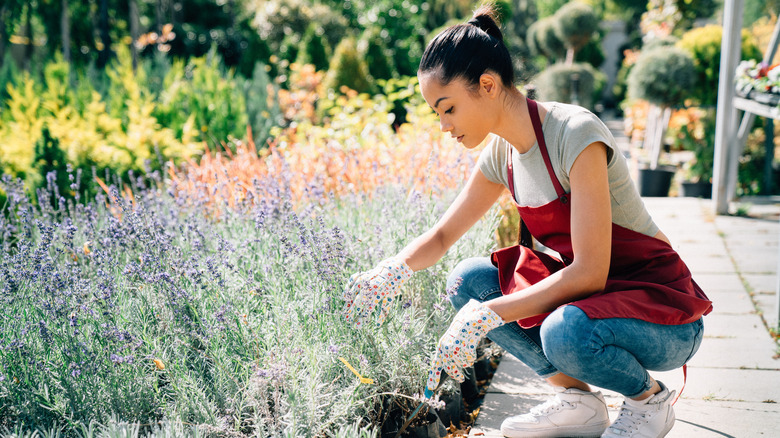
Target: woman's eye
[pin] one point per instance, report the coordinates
(449, 111)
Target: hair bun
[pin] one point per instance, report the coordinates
(485, 21)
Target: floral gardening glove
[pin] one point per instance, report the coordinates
(458, 347)
(375, 289)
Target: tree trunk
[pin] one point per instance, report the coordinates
(569, 56)
(105, 37)
(28, 52)
(3, 31)
(65, 27)
(133, 9)
(158, 17)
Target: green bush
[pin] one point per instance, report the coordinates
(262, 109)
(202, 91)
(575, 24)
(664, 77)
(380, 65)
(546, 40)
(313, 49)
(348, 68)
(703, 44)
(555, 83)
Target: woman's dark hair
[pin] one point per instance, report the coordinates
(466, 51)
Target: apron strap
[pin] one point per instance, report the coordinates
(533, 110)
(524, 237)
(685, 379)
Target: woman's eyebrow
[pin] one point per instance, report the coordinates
(436, 105)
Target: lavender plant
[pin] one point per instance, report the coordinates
(151, 305)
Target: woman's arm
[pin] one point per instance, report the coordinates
(591, 234)
(472, 203)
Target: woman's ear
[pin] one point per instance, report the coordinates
(489, 84)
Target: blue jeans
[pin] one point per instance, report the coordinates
(612, 353)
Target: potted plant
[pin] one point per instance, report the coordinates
(694, 130)
(663, 76)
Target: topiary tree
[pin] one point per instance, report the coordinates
(376, 54)
(348, 68)
(574, 25)
(547, 40)
(313, 49)
(664, 77)
(555, 83)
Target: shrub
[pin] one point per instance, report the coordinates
(200, 93)
(380, 66)
(555, 83)
(262, 107)
(348, 69)
(575, 24)
(547, 40)
(313, 49)
(703, 44)
(664, 76)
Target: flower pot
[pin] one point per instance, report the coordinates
(696, 189)
(655, 182)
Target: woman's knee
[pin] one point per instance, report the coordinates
(473, 278)
(567, 338)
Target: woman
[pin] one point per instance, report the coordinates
(620, 303)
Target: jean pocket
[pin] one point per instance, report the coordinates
(698, 328)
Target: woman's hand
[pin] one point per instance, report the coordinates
(458, 347)
(374, 290)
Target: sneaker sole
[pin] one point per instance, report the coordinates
(589, 431)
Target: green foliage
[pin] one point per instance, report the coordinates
(376, 55)
(548, 8)
(542, 36)
(704, 45)
(555, 84)
(348, 68)
(201, 93)
(575, 24)
(9, 75)
(276, 20)
(49, 157)
(592, 53)
(664, 76)
(262, 108)
(698, 137)
(313, 49)
(123, 137)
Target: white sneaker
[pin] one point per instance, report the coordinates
(652, 417)
(572, 413)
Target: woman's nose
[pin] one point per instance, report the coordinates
(445, 126)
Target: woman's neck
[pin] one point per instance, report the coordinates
(514, 121)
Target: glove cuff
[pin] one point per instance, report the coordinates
(400, 270)
(485, 319)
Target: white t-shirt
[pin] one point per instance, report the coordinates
(568, 130)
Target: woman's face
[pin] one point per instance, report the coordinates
(462, 112)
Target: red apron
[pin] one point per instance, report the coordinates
(647, 280)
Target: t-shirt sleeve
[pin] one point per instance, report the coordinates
(582, 130)
(492, 161)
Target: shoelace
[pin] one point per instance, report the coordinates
(545, 408)
(627, 421)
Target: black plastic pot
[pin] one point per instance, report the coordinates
(655, 182)
(454, 411)
(696, 189)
